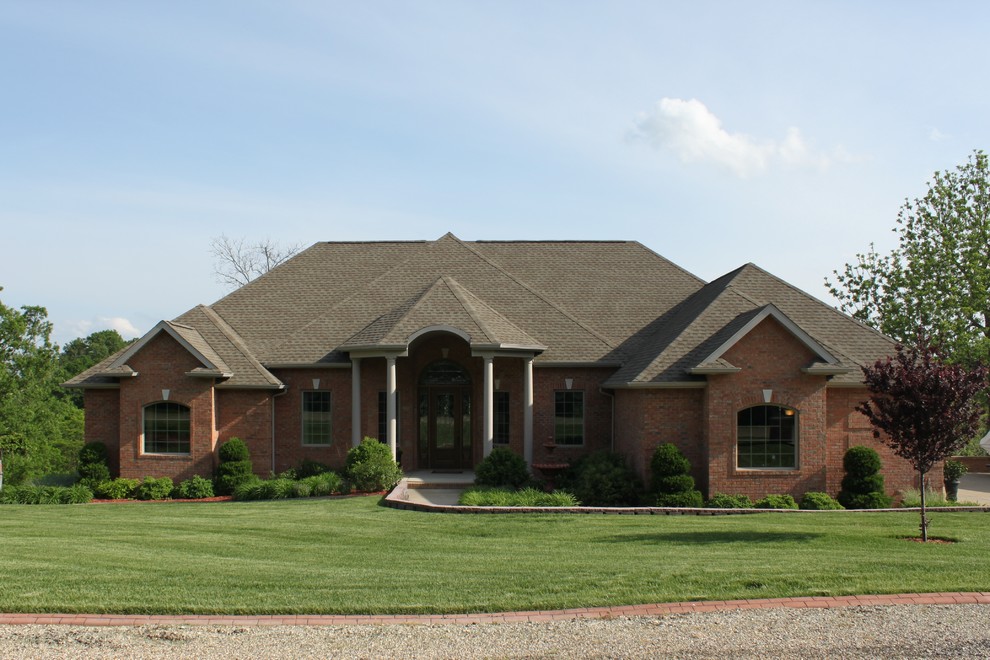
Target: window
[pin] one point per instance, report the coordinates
(767, 437)
(501, 418)
(383, 417)
(166, 428)
(316, 420)
(569, 418)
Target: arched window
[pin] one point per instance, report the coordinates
(444, 372)
(766, 437)
(166, 428)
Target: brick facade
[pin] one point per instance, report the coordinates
(161, 365)
(701, 421)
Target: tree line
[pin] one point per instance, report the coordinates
(41, 423)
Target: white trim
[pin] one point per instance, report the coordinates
(780, 317)
(151, 334)
(438, 328)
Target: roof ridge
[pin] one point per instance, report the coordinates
(459, 292)
(821, 303)
(237, 342)
(340, 302)
(536, 293)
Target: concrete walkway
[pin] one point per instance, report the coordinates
(656, 609)
(975, 487)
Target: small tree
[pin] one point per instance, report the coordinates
(923, 408)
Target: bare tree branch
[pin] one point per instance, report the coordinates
(236, 262)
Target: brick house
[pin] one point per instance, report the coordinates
(445, 349)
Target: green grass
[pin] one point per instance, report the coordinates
(355, 556)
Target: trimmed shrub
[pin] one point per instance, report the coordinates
(93, 464)
(776, 502)
(502, 469)
(814, 501)
(668, 461)
(117, 489)
(195, 488)
(530, 497)
(862, 487)
(235, 466)
(689, 499)
(94, 452)
(726, 501)
(369, 466)
(155, 489)
(602, 479)
(672, 483)
(234, 450)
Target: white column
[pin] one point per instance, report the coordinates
(489, 438)
(528, 410)
(390, 404)
(355, 401)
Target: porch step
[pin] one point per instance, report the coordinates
(444, 479)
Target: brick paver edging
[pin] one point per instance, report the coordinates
(398, 499)
(657, 609)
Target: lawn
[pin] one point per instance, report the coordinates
(355, 556)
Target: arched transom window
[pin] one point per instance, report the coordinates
(166, 428)
(767, 437)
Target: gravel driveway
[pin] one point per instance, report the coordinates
(902, 631)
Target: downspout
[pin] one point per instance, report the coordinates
(612, 397)
(282, 390)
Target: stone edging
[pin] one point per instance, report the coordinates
(398, 498)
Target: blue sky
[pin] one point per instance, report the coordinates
(716, 133)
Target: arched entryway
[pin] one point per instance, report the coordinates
(445, 407)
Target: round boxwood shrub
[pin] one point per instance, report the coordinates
(235, 466)
(776, 502)
(602, 479)
(726, 501)
(813, 501)
(117, 489)
(502, 469)
(194, 488)
(672, 482)
(155, 489)
(862, 487)
(370, 466)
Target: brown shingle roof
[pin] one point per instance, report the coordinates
(603, 302)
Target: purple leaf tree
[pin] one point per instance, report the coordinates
(923, 408)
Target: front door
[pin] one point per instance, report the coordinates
(445, 426)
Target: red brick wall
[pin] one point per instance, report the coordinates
(848, 428)
(769, 357)
(103, 422)
(647, 418)
(247, 414)
(289, 450)
(162, 364)
(597, 411)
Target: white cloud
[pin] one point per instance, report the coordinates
(694, 134)
(937, 135)
(86, 327)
